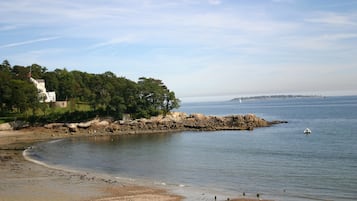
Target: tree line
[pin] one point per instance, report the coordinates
(104, 93)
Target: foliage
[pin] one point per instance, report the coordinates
(103, 94)
(16, 92)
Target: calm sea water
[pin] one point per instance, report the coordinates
(278, 162)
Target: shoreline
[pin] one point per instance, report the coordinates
(38, 182)
(25, 179)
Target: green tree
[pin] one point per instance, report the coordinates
(97, 90)
(20, 72)
(155, 97)
(37, 71)
(66, 85)
(129, 90)
(170, 102)
(24, 96)
(5, 67)
(51, 81)
(5, 89)
(117, 106)
(79, 88)
(103, 92)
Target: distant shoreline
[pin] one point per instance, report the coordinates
(268, 97)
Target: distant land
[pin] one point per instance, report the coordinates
(274, 97)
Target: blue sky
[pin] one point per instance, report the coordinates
(197, 47)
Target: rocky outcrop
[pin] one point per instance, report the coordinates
(19, 124)
(175, 121)
(14, 125)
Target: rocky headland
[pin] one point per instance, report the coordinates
(175, 121)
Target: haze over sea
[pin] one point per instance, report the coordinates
(279, 162)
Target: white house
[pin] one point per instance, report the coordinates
(45, 96)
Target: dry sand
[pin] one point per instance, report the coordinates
(22, 180)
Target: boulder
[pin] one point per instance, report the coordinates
(176, 116)
(6, 127)
(72, 127)
(102, 123)
(198, 117)
(16, 125)
(88, 123)
(53, 125)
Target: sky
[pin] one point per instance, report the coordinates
(198, 48)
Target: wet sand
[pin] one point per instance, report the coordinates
(22, 180)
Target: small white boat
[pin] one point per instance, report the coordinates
(307, 131)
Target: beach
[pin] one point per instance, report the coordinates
(24, 180)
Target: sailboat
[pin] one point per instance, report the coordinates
(307, 131)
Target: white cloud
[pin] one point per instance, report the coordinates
(8, 27)
(28, 42)
(115, 41)
(215, 2)
(333, 19)
(339, 36)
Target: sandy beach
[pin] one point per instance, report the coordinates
(23, 180)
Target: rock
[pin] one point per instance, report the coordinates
(175, 121)
(102, 123)
(198, 117)
(176, 116)
(156, 118)
(53, 125)
(16, 125)
(5, 127)
(278, 122)
(72, 127)
(86, 124)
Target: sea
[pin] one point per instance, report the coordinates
(278, 162)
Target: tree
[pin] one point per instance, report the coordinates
(170, 102)
(51, 81)
(105, 93)
(79, 87)
(5, 89)
(37, 71)
(20, 72)
(100, 96)
(5, 67)
(128, 91)
(66, 86)
(24, 95)
(155, 97)
(117, 106)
